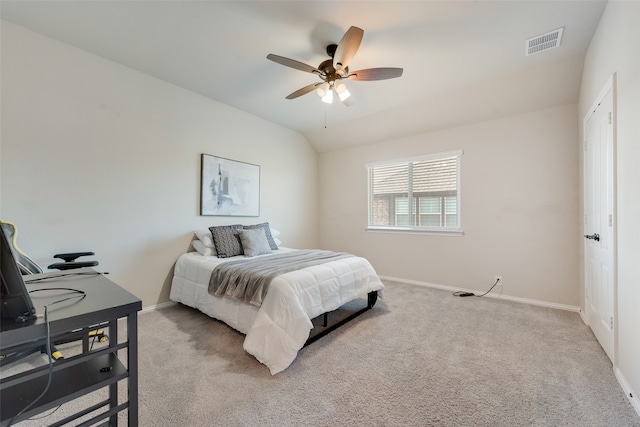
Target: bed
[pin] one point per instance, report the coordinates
(280, 326)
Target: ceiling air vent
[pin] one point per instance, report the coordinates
(544, 42)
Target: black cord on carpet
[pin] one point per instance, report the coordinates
(471, 294)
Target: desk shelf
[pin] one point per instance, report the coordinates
(67, 383)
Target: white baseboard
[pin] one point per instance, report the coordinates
(631, 395)
(489, 295)
(157, 306)
(584, 317)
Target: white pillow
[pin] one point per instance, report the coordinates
(202, 249)
(274, 232)
(278, 241)
(205, 237)
(254, 242)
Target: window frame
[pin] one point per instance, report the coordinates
(415, 197)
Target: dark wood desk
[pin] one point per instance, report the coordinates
(104, 303)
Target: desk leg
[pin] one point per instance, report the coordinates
(132, 364)
(113, 388)
(85, 340)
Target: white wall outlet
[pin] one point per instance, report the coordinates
(498, 280)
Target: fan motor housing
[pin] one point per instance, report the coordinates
(326, 67)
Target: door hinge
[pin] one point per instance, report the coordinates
(609, 117)
(612, 323)
(610, 220)
(584, 145)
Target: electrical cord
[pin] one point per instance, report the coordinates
(46, 319)
(48, 345)
(93, 340)
(471, 294)
(57, 276)
(76, 291)
(45, 415)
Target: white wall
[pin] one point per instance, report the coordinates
(97, 156)
(519, 208)
(615, 49)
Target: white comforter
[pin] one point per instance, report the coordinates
(280, 327)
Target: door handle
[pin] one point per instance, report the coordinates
(594, 236)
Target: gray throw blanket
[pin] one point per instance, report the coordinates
(248, 280)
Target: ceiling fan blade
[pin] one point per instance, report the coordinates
(375, 74)
(304, 90)
(293, 63)
(347, 48)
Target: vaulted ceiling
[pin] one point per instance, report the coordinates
(463, 61)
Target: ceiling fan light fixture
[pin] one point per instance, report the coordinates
(323, 89)
(328, 97)
(342, 91)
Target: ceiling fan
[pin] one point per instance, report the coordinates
(334, 70)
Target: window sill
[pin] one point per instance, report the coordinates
(409, 230)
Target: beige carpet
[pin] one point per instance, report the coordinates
(421, 357)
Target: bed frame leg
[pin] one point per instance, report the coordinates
(372, 297)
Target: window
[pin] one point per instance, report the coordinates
(421, 194)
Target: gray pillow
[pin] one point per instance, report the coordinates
(254, 242)
(226, 239)
(267, 232)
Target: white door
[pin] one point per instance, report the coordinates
(599, 221)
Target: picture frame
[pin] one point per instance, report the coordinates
(228, 187)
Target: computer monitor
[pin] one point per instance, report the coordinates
(15, 302)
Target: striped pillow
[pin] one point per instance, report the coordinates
(226, 239)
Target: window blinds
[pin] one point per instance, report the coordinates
(427, 176)
(432, 183)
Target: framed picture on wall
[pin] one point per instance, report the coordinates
(229, 187)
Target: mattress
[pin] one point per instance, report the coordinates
(279, 328)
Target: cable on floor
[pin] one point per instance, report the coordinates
(471, 294)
